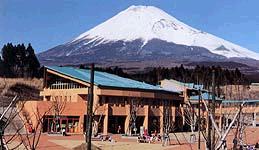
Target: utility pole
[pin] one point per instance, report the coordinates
(90, 109)
(213, 109)
(235, 140)
(199, 121)
(209, 127)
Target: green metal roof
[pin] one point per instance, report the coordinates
(241, 101)
(188, 85)
(103, 78)
(205, 96)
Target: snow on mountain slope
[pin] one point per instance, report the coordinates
(148, 22)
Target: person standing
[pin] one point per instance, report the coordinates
(64, 132)
(119, 129)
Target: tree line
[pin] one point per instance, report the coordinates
(18, 61)
(198, 75)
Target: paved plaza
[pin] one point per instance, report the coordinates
(48, 142)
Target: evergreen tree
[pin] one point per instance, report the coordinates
(8, 57)
(1, 67)
(19, 61)
(32, 62)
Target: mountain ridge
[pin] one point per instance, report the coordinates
(141, 33)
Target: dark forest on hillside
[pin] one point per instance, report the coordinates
(199, 75)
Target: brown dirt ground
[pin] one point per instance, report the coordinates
(69, 142)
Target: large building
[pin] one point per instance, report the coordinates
(119, 103)
(225, 108)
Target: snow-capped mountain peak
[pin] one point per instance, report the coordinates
(149, 22)
(136, 22)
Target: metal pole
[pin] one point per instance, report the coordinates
(90, 109)
(235, 140)
(1, 138)
(209, 126)
(199, 121)
(213, 109)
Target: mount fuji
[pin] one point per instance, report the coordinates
(145, 35)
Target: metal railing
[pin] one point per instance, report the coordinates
(61, 85)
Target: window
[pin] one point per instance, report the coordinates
(47, 98)
(126, 101)
(155, 104)
(117, 102)
(122, 101)
(101, 101)
(142, 103)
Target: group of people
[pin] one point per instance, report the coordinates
(146, 138)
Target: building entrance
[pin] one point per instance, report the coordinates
(54, 124)
(116, 124)
(154, 124)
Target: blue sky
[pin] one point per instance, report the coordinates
(48, 23)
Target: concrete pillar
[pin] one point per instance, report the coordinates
(161, 107)
(185, 96)
(220, 116)
(206, 115)
(146, 113)
(182, 113)
(127, 120)
(227, 124)
(254, 119)
(96, 101)
(173, 113)
(80, 127)
(106, 117)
